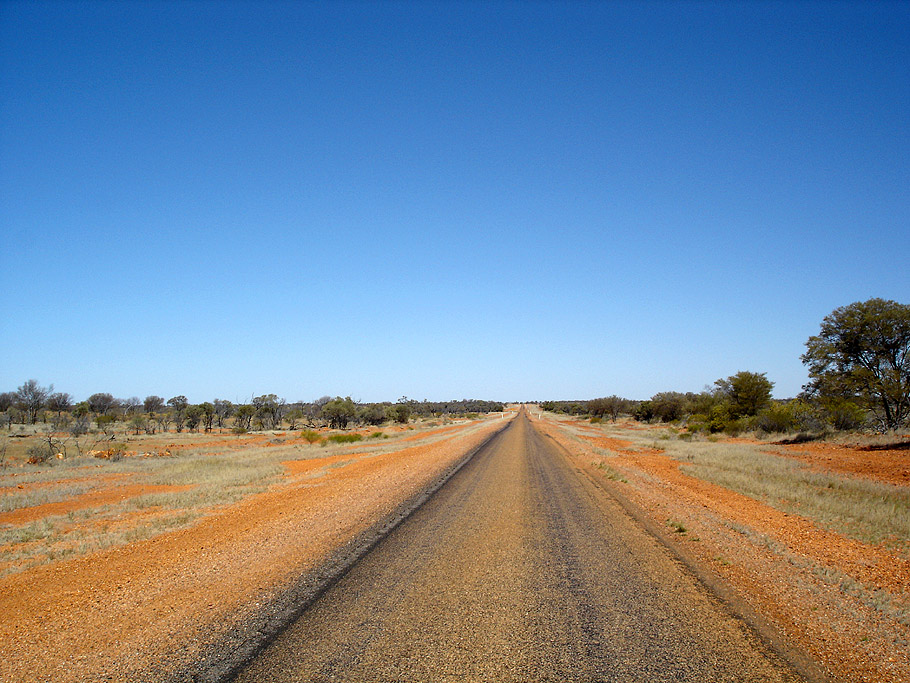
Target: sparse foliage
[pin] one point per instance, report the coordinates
(30, 397)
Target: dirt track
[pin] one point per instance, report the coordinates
(518, 569)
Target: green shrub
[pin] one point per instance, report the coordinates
(844, 415)
(239, 430)
(310, 436)
(345, 438)
(378, 435)
(777, 418)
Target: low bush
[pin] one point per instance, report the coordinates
(345, 438)
(40, 453)
(310, 436)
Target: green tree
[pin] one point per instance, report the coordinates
(139, 422)
(373, 413)
(178, 405)
(339, 411)
(863, 353)
(193, 416)
(208, 415)
(243, 416)
(668, 406)
(101, 403)
(747, 392)
(223, 410)
(269, 410)
(400, 412)
(153, 404)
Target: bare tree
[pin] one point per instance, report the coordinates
(30, 397)
(59, 402)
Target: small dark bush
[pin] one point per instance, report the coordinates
(345, 438)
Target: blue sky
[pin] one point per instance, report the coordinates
(511, 201)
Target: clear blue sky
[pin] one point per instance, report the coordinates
(510, 201)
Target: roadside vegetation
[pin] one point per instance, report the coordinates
(859, 381)
(856, 404)
(76, 477)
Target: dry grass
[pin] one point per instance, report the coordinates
(870, 511)
(864, 509)
(211, 471)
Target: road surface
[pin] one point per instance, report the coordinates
(518, 569)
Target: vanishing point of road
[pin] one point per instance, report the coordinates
(518, 569)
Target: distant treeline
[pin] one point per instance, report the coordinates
(859, 378)
(32, 403)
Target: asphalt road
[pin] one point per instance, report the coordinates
(518, 569)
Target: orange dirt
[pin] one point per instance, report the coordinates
(619, 445)
(143, 610)
(807, 580)
(433, 432)
(891, 465)
(86, 500)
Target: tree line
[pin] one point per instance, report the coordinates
(859, 378)
(32, 403)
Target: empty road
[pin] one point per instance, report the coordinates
(518, 569)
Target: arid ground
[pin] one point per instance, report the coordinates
(153, 566)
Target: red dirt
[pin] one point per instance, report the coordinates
(434, 432)
(890, 465)
(619, 445)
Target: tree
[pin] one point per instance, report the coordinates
(139, 422)
(153, 404)
(131, 405)
(100, 403)
(208, 415)
(339, 411)
(59, 402)
(193, 415)
(293, 417)
(223, 410)
(269, 409)
(178, 405)
(668, 406)
(747, 392)
(863, 353)
(7, 400)
(373, 413)
(243, 415)
(400, 412)
(30, 397)
(612, 406)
